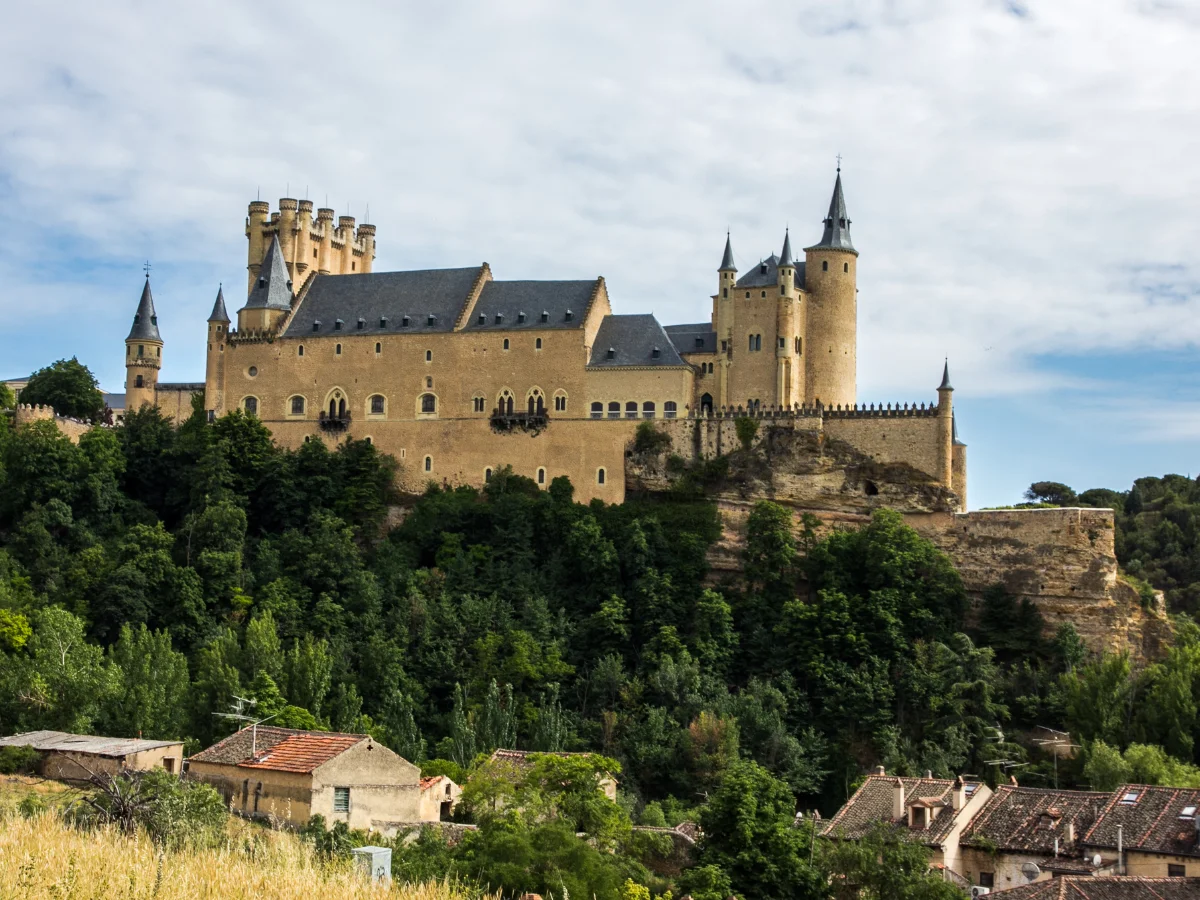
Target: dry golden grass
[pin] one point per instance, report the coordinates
(44, 858)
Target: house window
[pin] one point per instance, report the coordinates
(597, 410)
(763, 294)
(297, 406)
(428, 404)
(541, 476)
(361, 323)
(383, 321)
(429, 464)
(669, 409)
(377, 405)
(987, 879)
(648, 409)
(404, 320)
(341, 799)
(316, 326)
(631, 409)
(614, 410)
(599, 476)
(1129, 798)
(337, 325)
(1174, 870)
(251, 405)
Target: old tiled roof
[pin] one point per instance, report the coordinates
(872, 803)
(632, 341)
(698, 338)
(1029, 819)
(273, 286)
(1088, 887)
(237, 748)
(382, 300)
(506, 305)
(82, 743)
(145, 320)
(304, 752)
(1153, 822)
(427, 783)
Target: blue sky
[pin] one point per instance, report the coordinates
(1022, 178)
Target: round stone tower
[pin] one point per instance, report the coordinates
(830, 273)
(143, 354)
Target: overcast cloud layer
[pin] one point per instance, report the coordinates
(1022, 177)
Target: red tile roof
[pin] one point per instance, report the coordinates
(303, 752)
(1091, 887)
(1152, 823)
(427, 783)
(871, 804)
(1030, 819)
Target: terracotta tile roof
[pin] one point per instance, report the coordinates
(1153, 820)
(280, 749)
(1029, 819)
(427, 783)
(1089, 887)
(872, 803)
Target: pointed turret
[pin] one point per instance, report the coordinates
(954, 431)
(785, 257)
(273, 287)
(837, 223)
(145, 320)
(727, 263)
(945, 385)
(218, 313)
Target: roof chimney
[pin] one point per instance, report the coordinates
(880, 770)
(958, 795)
(898, 811)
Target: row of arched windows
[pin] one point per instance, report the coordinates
(648, 410)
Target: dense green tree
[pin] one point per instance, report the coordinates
(151, 700)
(884, 865)
(67, 386)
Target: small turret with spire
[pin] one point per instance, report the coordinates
(143, 353)
(837, 222)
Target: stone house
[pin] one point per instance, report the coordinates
(290, 775)
(1021, 828)
(930, 811)
(439, 796)
(76, 757)
(1154, 830)
(1084, 887)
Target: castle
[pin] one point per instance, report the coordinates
(456, 373)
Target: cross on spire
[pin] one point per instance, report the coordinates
(146, 267)
(839, 162)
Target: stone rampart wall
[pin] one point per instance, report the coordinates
(72, 428)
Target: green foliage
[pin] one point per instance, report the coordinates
(68, 387)
(175, 814)
(883, 865)
(1050, 492)
(7, 398)
(19, 760)
(650, 439)
(747, 429)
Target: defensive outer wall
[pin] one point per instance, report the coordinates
(1063, 560)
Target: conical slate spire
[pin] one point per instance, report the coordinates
(218, 313)
(945, 385)
(145, 320)
(785, 258)
(273, 288)
(727, 260)
(954, 431)
(837, 223)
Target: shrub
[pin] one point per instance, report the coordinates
(18, 760)
(174, 813)
(649, 439)
(747, 428)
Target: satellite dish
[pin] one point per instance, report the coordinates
(1031, 871)
(1096, 860)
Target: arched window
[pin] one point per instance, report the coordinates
(614, 410)
(599, 476)
(706, 404)
(560, 401)
(378, 348)
(487, 475)
(597, 410)
(368, 439)
(535, 403)
(758, 342)
(648, 409)
(846, 267)
(631, 409)
(537, 345)
(479, 403)
(342, 408)
(251, 405)
(377, 404)
(541, 476)
(504, 405)
(297, 405)
(332, 408)
(506, 343)
(669, 409)
(824, 265)
(429, 464)
(428, 356)
(428, 404)
(300, 350)
(338, 350)
(429, 381)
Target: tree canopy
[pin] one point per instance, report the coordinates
(67, 386)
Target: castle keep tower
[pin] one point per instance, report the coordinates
(309, 246)
(832, 315)
(143, 354)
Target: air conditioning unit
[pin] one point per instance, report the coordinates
(978, 891)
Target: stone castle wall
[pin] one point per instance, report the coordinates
(74, 429)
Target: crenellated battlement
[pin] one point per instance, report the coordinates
(310, 243)
(818, 411)
(25, 413)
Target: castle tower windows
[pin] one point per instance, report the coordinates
(429, 464)
(250, 404)
(505, 403)
(427, 405)
(506, 344)
(648, 409)
(560, 401)
(631, 409)
(376, 405)
(845, 267)
(428, 356)
(479, 403)
(337, 350)
(600, 476)
(252, 372)
(614, 410)
(428, 381)
(297, 405)
(669, 409)
(139, 381)
(537, 345)
(300, 350)
(378, 348)
(597, 410)
(541, 476)
(487, 475)
(824, 265)
(141, 350)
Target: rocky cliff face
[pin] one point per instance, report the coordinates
(1061, 559)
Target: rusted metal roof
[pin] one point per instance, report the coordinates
(83, 743)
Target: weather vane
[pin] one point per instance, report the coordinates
(146, 268)
(839, 160)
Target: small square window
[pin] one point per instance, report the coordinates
(1174, 870)
(987, 879)
(1129, 798)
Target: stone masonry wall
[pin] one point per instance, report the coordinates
(74, 429)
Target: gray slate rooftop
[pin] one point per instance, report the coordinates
(83, 743)
(633, 341)
(273, 287)
(378, 296)
(506, 305)
(145, 320)
(698, 338)
(837, 223)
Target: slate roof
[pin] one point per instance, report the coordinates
(145, 320)
(218, 313)
(235, 750)
(114, 401)
(837, 223)
(872, 803)
(545, 304)
(698, 338)
(1088, 887)
(765, 274)
(83, 743)
(1029, 819)
(727, 260)
(1152, 823)
(373, 296)
(633, 341)
(273, 287)
(785, 255)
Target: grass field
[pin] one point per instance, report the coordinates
(42, 857)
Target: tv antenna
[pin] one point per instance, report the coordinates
(238, 714)
(1058, 742)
